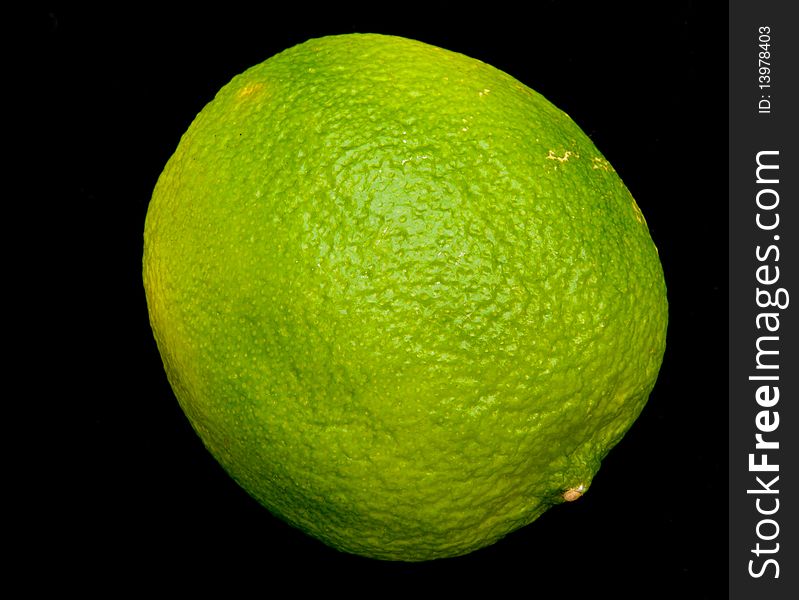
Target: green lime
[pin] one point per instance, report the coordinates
(402, 298)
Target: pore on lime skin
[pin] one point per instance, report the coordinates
(401, 297)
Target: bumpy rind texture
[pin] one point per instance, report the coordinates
(402, 298)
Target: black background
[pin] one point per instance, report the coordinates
(131, 494)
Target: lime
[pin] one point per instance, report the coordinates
(402, 298)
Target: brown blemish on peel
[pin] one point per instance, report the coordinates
(572, 494)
